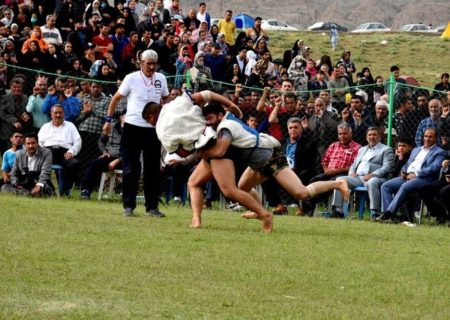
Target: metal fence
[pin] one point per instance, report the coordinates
(407, 107)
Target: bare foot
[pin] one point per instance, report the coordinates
(196, 222)
(249, 215)
(267, 222)
(343, 188)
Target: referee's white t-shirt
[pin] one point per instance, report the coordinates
(140, 90)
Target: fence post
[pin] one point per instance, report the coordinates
(188, 79)
(391, 108)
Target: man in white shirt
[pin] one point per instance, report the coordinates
(50, 33)
(138, 136)
(371, 167)
(423, 167)
(63, 139)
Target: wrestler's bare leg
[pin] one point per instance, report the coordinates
(201, 175)
(224, 173)
(292, 184)
(249, 179)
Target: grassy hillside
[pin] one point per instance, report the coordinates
(425, 57)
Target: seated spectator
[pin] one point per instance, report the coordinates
(336, 162)
(437, 195)
(31, 172)
(108, 161)
(16, 140)
(371, 168)
(64, 142)
(402, 153)
(422, 168)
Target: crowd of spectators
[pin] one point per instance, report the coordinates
(74, 53)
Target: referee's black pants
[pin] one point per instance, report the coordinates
(137, 140)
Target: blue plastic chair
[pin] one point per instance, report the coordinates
(361, 205)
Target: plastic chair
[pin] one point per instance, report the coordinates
(58, 173)
(112, 182)
(362, 202)
(169, 191)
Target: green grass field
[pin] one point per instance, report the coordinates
(68, 259)
(425, 57)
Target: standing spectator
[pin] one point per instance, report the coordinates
(165, 53)
(348, 63)
(13, 113)
(191, 22)
(60, 94)
(183, 64)
(339, 88)
(143, 87)
(228, 28)
(256, 32)
(444, 85)
(164, 14)
(64, 141)
(200, 74)
(103, 43)
(90, 122)
(435, 109)
(119, 41)
(322, 125)
(175, 9)
(36, 102)
(334, 36)
(202, 15)
(50, 33)
(78, 38)
(216, 62)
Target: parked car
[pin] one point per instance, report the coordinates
(371, 27)
(439, 29)
(273, 24)
(326, 26)
(415, 27)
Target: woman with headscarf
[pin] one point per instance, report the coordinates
(36, 35)
(235, 75)
(33, 58)
(182, 64)
(297, 49)
(200, 74)
(258, 76)
(297, 74)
